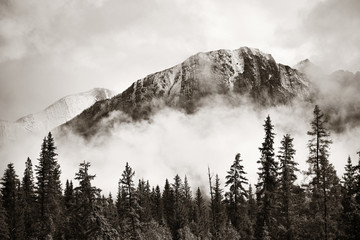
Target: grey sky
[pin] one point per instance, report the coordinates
(49, 49)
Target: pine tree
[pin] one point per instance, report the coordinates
(324, 187)
(28, 203)
(357, 197)
(217, 208)
(69, 211)
(90, 220)
(86, 198)
(201, 226)
(318, 145)
(11, 194)
(48, 191)
(349, 214)
(121, 209)
(132, 207)
(188, 203)
(168, 203)
(267, 186)
(236, 197)
(287, 178)
(143, 192)
(157, 206)
(4, 228)
(110, 211)
(251, 212)
(180, 212)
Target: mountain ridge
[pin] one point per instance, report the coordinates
(54, 115)
(244, 71)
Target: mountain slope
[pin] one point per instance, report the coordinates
(56, 114)
(243, 72)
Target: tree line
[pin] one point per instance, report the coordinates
(327, 207)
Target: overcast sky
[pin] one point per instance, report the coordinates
(49, 49)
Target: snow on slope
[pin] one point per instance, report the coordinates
(56, 114)
(243, 72)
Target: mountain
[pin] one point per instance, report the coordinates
(241, 72)
(54, 115)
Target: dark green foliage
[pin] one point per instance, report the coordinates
(266, 187)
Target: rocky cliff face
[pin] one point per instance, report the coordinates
(244, 71)
(54, 115)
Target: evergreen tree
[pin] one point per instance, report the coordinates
(28, 203)
(48, 191)
(85, 204)
(121, 209)
(318, 145)
(168, 204)
(236, 197)
(217, 208)
(143, 192)
(90, 220)
(10, 192)
(357, 198)
(132, 207)
(324, 187)
(287, 178)
(251, 212)
(180, 213)
(4, 228)
(110, 212)
(188, 203)
(201, 226)
(69, 211)
(267, 186)
(349, 214)
(157, 206)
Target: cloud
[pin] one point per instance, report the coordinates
(173, 142)
(328, 32)
(49, 50)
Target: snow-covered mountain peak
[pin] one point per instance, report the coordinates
(54, 115)
(244, 71)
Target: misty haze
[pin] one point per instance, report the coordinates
(179, 119)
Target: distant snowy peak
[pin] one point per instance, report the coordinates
(244, 71)
(302, 65)
(307, 67)
(54, 115)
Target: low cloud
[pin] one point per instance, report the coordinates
(173, 142)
